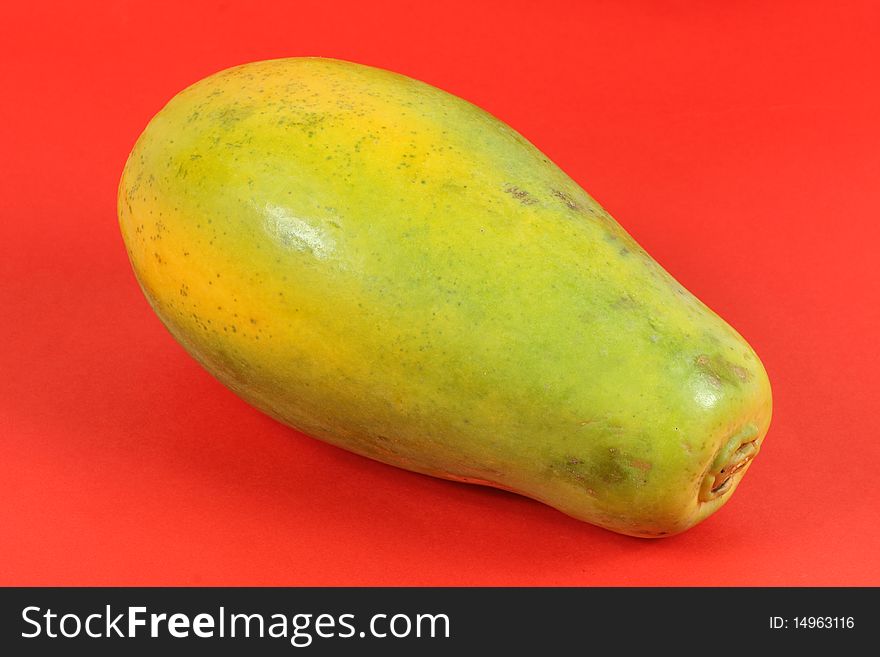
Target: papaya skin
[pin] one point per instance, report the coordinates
(390, 269)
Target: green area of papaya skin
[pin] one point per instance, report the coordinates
(390, 269)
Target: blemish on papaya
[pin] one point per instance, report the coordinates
(640, 464)
(566, 199)
(627, 301)
(742, 373)
(611, 471)
(520, 195)
(720, 370)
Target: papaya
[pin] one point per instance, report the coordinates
(391, 269)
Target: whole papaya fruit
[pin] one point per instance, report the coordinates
(391, 269)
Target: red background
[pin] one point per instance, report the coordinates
(738, 142)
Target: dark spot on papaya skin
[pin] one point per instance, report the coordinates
(605, 467)
(566, 199)
(627, 302)
(610, 470)
(640, 464)
(742, 373)
(719, 370)
(520, 195)
(710, 376)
